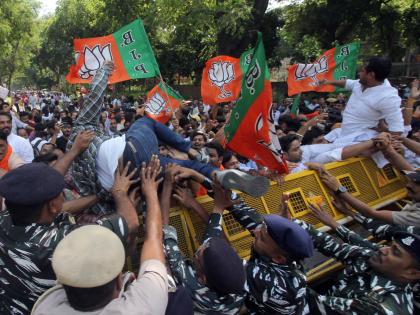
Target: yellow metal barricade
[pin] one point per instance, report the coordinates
(388, 182)
(352, 175)
(360, 176)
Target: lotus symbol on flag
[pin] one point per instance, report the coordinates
(220, 74)
(311, 70)
(155, 104)
(94, 59)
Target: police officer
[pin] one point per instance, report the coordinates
(88, 264)
(30, 228)
(215, 278)
(375, 280)
(276, 283)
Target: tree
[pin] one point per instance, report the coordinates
(18, 35)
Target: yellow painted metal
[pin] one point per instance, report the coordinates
(359, 175)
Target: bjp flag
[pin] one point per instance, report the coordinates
(221, 80)
(250, 131)
(128, 48)
(338, 63)
(162, 102)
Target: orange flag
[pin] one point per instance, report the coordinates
(221, 80)
(335, 64)
(162, 102)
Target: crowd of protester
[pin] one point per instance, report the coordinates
(78, 171)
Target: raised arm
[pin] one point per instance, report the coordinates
(333, 184)
(330, 247)
(125, 208)
(344, 233)
(77, 205)
(89, 114)
(339, 83)
(153, 242)
(411, 144)
(246, 216)
(81, 143)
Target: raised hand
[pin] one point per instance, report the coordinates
(323, 215)
(123, 180)
(283, 206)
(184, 196)
(222, 198)
(83, 140)
(330, 181)
(149, 184)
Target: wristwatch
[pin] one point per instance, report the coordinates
(340, 190)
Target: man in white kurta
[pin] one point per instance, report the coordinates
(372, 99)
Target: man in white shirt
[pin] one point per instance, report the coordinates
(372, 99)
(20, 146)
(302, 157)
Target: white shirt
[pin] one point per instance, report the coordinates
(107, 160)
(365, 108)
(21, 147)
(17, 123)
(412, 158)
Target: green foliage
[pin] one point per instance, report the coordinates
(18, 37)
(185, 34)
(385, 27)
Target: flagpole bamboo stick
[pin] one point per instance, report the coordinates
(164, 89)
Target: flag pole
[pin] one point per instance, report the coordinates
(165, 90)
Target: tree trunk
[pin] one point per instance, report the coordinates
(12, 66)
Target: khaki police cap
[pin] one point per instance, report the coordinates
(331, 100)
(88, 257)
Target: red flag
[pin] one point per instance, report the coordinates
(221, 80)
(162, 102)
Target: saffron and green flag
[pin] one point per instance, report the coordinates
(338, 63)
(222, 78)
(129, 48)
(162, 101)
(250, 131)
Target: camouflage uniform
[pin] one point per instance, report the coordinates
(205, 300)
(359, 290)
(272, 288)
(385, 231)
(25, 258)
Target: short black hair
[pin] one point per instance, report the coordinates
(380, 66)
(287, 140)
(217, 146)
(227, 156)
(90, 299)
(45, 158)
(22, 114)
(51, 124)
(311, 134)
(293, 124)
(183, 122)
(198, 133)
(3, 104)
(6, 114)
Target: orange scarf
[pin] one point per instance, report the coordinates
(4, 164)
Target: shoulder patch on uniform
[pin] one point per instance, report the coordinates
(408, 240)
